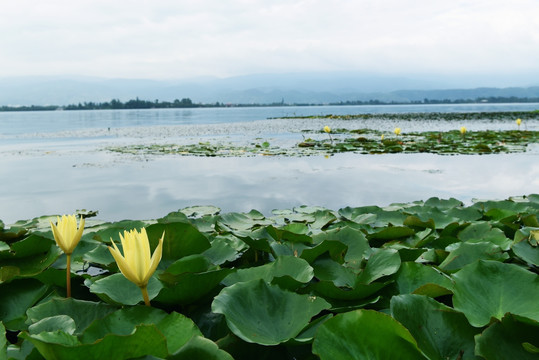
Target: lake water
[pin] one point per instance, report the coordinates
(39, 122)
(55, 163)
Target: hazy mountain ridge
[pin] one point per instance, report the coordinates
(304, 88)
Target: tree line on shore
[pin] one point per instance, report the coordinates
(116, 104)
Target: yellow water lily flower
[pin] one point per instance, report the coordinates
(382, 137)
(66, 234)
(397, 131)
(136, 264)
(327, 129)
(519, 121)
(463, 130)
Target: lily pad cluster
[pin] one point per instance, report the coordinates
(432, 279)
(424, 116)
(453, 142)
(363, 141)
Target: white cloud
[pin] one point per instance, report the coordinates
(173, 39)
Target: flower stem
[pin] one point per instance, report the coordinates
(145, 295)
(68, 276)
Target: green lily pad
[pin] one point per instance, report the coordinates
(3, 342)
(106, 231)
(199, 211)
(490, 289)
(357, 244)
(462, 254)
(54, 323)
(241, 221)
(381, 263)
(325, 269)
(335, 249)
(199, 347)
(364, 334)
(176, 328)
(188, 264)
(389, 233)
(330, 291)
(181, 239)
(525, 246)
(187, 288)
(284, 314)
(441, 332)
(514, 337)
(484, 232)
(82, 312)
(117, 290)
(412, 276)
(28, 257)
(225, 249)
(145, 340)
(15, 298)
(124, 333)
(31, 245)
(293, 267)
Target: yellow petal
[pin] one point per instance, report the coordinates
(156, 258)
(58, 236)
(139, 256)
(123, 265)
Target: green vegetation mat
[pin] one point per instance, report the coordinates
(363, 141)
(432, 279)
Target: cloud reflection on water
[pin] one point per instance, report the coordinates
(122, 187)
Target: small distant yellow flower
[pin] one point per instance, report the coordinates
(519, 121)
(67, 236)
(382, 137)
(327, 129)
(136, 264)
(397, 131)
(463, 130)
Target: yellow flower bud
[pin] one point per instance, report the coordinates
(327, 129)
(397, 131)
(66, 234)
(463, 130)
(136, 264)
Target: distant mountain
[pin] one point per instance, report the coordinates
(296, 88)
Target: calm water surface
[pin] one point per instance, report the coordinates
(17, 123)
(59, 174)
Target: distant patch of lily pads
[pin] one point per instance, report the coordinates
(361, 141)
(327, 141)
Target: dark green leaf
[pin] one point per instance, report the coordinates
(441, 332)
(15, 298)
(412, 276)
(200, 348)
(364, 334)
(462, 254)
(181, 239)
(512, 338)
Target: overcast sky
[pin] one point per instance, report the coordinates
(172, 39)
